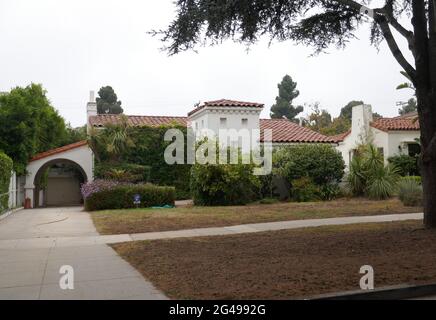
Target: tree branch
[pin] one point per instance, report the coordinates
(393, 46)
(387, 13)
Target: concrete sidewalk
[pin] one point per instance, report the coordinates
(92, 240)
(31, 255)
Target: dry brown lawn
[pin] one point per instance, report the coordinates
(150, 220)
(286, 264)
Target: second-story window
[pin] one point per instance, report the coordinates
(223, 123)
(244, 123)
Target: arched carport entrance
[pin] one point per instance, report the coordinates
(54, 177)
(57, 183)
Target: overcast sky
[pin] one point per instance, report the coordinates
(74, 46)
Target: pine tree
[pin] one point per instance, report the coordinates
(107, 102)
(283, 107)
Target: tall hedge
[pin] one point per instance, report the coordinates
(5, 177)
(149, 151)
(319, 162)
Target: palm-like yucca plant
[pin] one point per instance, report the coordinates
(113, 140)
(382, 182)
(356, 178)
(369, 176)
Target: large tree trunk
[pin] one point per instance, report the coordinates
(425, 82)
(428, 165)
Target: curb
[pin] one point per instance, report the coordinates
(400, 292)
(8, 213)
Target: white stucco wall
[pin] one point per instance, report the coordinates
(362, 131)
(210, 118)
(82, 156)
(400, 139)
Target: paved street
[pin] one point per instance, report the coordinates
(31, 258)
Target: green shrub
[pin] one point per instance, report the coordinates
(121, 197)
(5, 177)
(406, 164)
(304, 190)
(410, 192)
(417, 179)
(382, 183)
(319, 162)
(226, 184)
(369, 176)
(124, 172)
(329, 191)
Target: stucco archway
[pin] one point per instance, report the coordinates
(60, 189)
(78, 155)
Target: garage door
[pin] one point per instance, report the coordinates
(63, 191)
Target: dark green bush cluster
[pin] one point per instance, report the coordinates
(122, 197)
(124, 172)
(410, 192)
(405, 164)
(229, 184)
(5, 176)
(313, 171)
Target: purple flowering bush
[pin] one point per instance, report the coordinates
(89, 188)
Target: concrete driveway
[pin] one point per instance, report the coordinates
(32, 271)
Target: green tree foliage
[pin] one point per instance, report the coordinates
(406, 85)
(283, 107)
(347, 110)
(29, 124)
(75, 134)
(5, 176)
(408, 107)
(338, 125)
(107, 102)
(319, 118)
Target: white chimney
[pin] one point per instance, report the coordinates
(361, 120)
(91, 110)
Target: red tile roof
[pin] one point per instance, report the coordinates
(340, 137)
(59, 150)
(226, 103)
(407, 122)
(410, 115)
(393, 124)
(154, 121)
(285, 131)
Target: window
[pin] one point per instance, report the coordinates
(414, 149)
(223, 122)
(196, 125)
(202, 124)
(244, 123)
